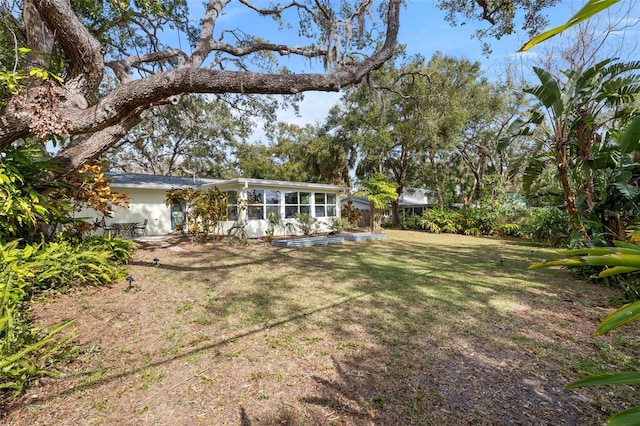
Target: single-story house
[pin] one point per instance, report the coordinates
(415, 201)
(148, 195)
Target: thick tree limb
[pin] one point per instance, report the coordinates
(82, 50)
(92, 146)
(98, 127)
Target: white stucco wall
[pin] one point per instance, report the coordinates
(144, 204)
(149, 203)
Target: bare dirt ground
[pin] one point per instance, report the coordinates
(219, 334)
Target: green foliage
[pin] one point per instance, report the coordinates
(379, 192)
(624, 258)
(546, 224)
(509, 229)
(273, 222)
(26, 352)
(441, 220)
(339, 224)
(21, 206)
(306, 223)
(58, 265)
(483, 219)
(412, 222)
(206, 209)
(594, 173)
(587, 11)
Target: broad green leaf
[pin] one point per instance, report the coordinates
(588, 10)
(630, 138)
(558, 262)
(630, 417)
(623, 244)
(621, 378)
(618, 318)
(628, 191)
(617, 259)
(617, 270)
(596, 251)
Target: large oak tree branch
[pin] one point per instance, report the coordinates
(144, 93)
(82, 50)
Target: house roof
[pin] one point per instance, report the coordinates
(137, 180)
(276, 183)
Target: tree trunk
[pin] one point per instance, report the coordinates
(575, 220)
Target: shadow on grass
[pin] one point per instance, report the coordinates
(430, 332)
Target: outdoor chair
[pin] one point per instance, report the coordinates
(107, 229)
(141, 228)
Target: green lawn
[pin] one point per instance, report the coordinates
(415, 329)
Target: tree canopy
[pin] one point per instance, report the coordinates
(57, 58)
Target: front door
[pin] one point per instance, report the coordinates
(178, 217)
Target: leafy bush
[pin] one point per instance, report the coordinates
(483, 220)
(351, 214)
(61, 265)
(509, 229)
(546, 224)
(306, 223)
(441, 220)
(413, 222)
(339, 224)
(26, 352)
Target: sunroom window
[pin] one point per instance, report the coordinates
(232, 205)
(272, 201)
(255, 201)
(296, 202)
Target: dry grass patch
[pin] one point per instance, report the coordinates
(416, 329)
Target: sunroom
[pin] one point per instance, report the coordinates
(251, 202)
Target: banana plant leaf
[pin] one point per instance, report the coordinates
(617, 259)
(618, 318)
(630, 417)
(616, 270)
(588, 10)
(622, 244)
(621, 378)
(571, 261)
(598, 251)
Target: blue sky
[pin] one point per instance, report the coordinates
(423, 30)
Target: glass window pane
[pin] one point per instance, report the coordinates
(319, 211)
(331, 198)
(331, 211)
(273, 197)
(256, 212)
(305, 209)
(290, 211)
(232, 213)
(275, 209)
(232, 197)
(291, 198)
(255, 196)
(319, 196)
(305, 198)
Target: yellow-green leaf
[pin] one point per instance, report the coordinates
(618, 318)
(630, 417)
(571, 261)
(621, 378)
(588, 10)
